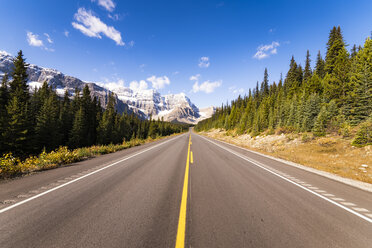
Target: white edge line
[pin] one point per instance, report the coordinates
(348, 181)
(276, 174)
(86, 175)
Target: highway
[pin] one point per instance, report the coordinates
(183, 191)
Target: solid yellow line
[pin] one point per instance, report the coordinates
(180, 241)
(192, 158)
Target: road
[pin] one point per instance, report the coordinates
(184, 191)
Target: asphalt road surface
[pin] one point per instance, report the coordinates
(184, 191)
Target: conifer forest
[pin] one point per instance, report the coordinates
(33, 120)
(332, 97)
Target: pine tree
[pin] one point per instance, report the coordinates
(335, 46)
(360, 97)
(18, 85)
(320, 122)
(17, 133)
(4, 99)
(307, 71)
(320, 66)
(337, 67)
(107, 123)
(78, 130)
(265, 83)
(353, 51)
(47, 126)
(65, 119)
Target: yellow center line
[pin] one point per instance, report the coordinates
(192, 157)
(180, 241)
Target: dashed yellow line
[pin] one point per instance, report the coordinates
(192, 157)
(180, 241)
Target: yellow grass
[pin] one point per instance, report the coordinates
(333, 154)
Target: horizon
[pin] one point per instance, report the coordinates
(205, 55)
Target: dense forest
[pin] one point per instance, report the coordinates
(41, 120)
(333, 97)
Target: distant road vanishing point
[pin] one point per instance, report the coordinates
(184, 191)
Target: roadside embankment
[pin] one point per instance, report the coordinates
(332, 154)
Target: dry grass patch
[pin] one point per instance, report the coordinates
(333, 154)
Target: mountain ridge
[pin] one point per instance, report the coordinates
(146, 104)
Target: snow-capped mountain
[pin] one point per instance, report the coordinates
(59, 81)
(145, 103)
(172, 107)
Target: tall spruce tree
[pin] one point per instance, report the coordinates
(307, 71)
(17, 135)
(360, 97)
(320, 66)
(4, 99)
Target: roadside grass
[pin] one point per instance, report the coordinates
(331, 153)
(11, 166)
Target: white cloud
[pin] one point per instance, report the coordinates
(176, 73)
(130, 44)
(33, 40)
(138, 86)
(235, 90)
(48, 38)
(114, 17)
(158, 82)
(206, 86)
(204, 62)
(112, 85)
(264, 51)
(92, 26)
(195, 77)
(109, 5)
(66, 33)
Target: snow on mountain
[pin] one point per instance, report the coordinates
(60, 82)
(145, 103)
(172, 107)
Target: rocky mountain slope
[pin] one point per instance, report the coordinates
(144, 103)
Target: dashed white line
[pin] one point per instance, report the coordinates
(338, 199)
(262, 166)
(313, 188)
(350, 204)
(329, 195)
(320, 191)
(360, 209)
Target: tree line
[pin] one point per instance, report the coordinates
(334, 96)
(37, 120)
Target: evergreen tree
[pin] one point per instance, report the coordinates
(307, 71)
(353, 51)
(78, 130)
(18, 85)
(320, 66)
(107, 123)
(47, 126)
(4, 99)
(17, 132)
(265, 83)
(360, 97)
(335, 46)
(320, 122)
(65, 119)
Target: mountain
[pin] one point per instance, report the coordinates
(144, 103)
(172, 107)
(59, 81)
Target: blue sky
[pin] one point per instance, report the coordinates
(222, 46)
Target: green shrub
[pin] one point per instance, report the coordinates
(364, 135)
